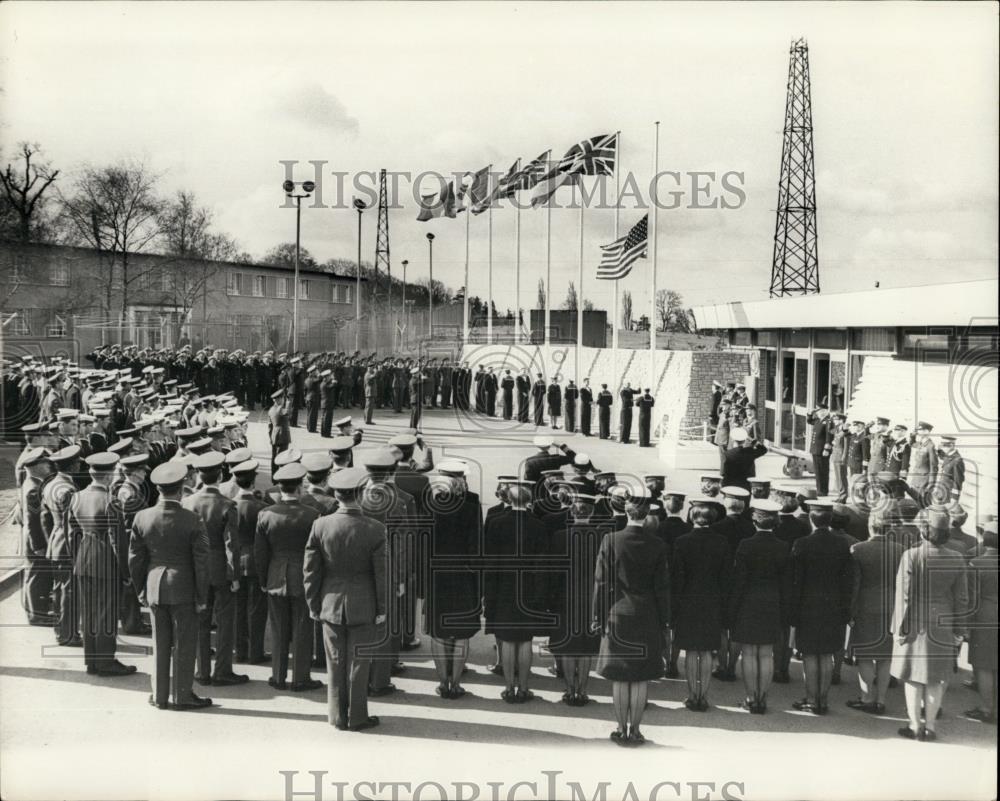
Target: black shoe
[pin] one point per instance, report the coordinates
(117, 669)
(411, 645)
(671, 672)
(555, 671)
(277, 685)
(835, 679)
(371, 723)
(378, 692)
(204, 680)
(856, 703)
(927, 736)
(874, 708)
(907, 732)
(158, 704)
(72, 642)
(306, 686)
(804, 705)
(193, 703)
(398, 668)
(496, 670)
(230, 679)
(139, 631)
(91, 670)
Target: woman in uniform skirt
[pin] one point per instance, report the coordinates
(514, 594)
(758, 601)
(700, 573)
(574, 550)
(554, 397)
(452, 603)
(983, 637)
(874, 564)
(928, 621)
(821, 603)
(631, 610)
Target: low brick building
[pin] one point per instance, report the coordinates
(66, 300)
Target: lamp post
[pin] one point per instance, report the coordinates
(406, 312)
(430, 284)
(307, 189)
(360, 206)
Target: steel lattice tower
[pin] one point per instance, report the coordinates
(795, 268)
(382, 240)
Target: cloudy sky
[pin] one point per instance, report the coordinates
(216, 96)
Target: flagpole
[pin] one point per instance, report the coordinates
(548, 268)
(614, 308)
(517, 264)
(465, 294)
(579, 293)
(489, 290)
(652, 253)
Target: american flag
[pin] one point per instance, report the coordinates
(594, 156)
(618, 257)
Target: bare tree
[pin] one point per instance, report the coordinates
(571, 301)
(671, 312)
(627, 310)
(24, 193)
(540, 303)
(116, 211)
(283, 255)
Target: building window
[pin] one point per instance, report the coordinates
(303, 289)
(59, 274)
(341, 293)
(167, 281)
(18, 324)
(235, 286)
(57, 328)
(258, 286)
(282, 288)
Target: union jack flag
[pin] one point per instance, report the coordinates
(595, 156)
(530, 174)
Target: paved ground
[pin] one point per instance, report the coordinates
(64, 734)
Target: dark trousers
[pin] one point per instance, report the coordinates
(313, 418)
(397, 399)
(129, 611)
(539, 412)
(782, 653)
(840, 479)
(604, 421)
(625, 426)
(522, 408)
(369, 409)
(251, 619)
(386, 654)
(644, 431)
(264, 393)
(570, 418)
(291, 628)
(415, 414)
(221, 605)
(445, 396)
(99, 604)
(293, 416)
(251, 396)
(175, 639)
(585, 419)
(37, 589)
(508, 406)
(275, 450)
(821, 467)
(65, 604)
(327, 425)
(347, 669)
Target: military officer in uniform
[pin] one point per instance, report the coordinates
(626, 396)
(507, 384)
(132, 495)
(645, 404)
(371, 390)
(604, 401)
(277, 425)
(38, 571)
(101, 565)
(218, 515)
(56, 497)
(328, 389)
(311, 394)
(251, 601)
(858, 455)
(345, 584)
(416, 397)
(570, 396)
(923, 465)
(951, 473)
(898, 455)
(523, 385)
(586, 400)
(881, 441)
(820, 446)
(168, 563)
(279, 548)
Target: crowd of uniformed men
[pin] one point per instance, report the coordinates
(137, 488)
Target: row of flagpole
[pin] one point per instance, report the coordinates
(580, 299)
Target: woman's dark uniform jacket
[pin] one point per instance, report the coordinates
(701, 572)
(821, 594)
(452, 604)
(514, 591)
(761, 587)
(631, 604)
(573, 551)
